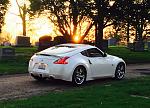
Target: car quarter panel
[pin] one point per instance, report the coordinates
(78, 60)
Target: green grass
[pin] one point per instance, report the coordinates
(130, 56)
(117, 94)
(26, 50)
(18, 64)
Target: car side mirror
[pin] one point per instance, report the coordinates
(105, 55)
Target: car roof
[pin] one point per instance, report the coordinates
(77, 45)
(69, 49)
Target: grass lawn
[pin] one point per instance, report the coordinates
(20, 63)
(130, 56)
(133, 93)
(26, 50)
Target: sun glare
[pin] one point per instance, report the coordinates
(76, 39)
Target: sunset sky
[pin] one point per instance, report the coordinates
(36, 27)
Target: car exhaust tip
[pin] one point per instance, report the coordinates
(40, 75)
(32, 75)
(51, 77)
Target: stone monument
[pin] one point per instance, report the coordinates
(7, 53)
(23, 41)
(45, 42)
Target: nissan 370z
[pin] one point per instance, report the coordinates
(77, 63)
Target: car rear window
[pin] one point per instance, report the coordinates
(60, 49)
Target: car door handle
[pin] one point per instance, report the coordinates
(89, 61)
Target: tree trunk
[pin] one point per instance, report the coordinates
(24, 20)
(141, 30)
(128, 32)
(99, 36)
(75, 16)
(100, 27)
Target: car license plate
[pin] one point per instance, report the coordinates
(42, 66)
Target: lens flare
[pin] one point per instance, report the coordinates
(76, 39)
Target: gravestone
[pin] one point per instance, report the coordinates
(59, 40)
(23, 41)
(112, 42)
(6, 43)
(45, 42)
(130, 46)
(138, 46)
(36, 44)
(148, 44)
(7, 53)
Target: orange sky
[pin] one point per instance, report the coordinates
(35, 28)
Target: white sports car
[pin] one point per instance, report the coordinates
(77, 63)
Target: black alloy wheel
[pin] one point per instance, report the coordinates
(120, 71)
(79, 76)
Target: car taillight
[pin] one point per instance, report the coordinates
(61, 60)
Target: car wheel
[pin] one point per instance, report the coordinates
(120, 71)
(38, 78)
(79, 76)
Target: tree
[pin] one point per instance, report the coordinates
(102, 14)
(22, 14)
(3, 8)
(141, 17)
(133, 13)
(123, 17)
(67, 16)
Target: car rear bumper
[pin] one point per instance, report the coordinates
(55, 72)
(46, 75)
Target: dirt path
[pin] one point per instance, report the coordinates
(137, 70)
(22, 86)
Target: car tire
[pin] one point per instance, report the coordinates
(79, 76)
(120, 71)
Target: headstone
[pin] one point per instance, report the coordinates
(112, 42)
(7, 43)
(59, 40)
(7, 53)
(23, 41)
(130, 46)
(148, 44)
(45, 42)
(36, 44)
(139, 46)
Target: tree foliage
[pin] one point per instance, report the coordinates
(3, 8)
(134, 13)
(67, 16)
(103, 13)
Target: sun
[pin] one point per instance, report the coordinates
(76, 39)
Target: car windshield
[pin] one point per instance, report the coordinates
(59, 49)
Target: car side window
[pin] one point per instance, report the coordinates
(94, 52)
(84, 53)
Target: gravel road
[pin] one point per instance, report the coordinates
(23, 86)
